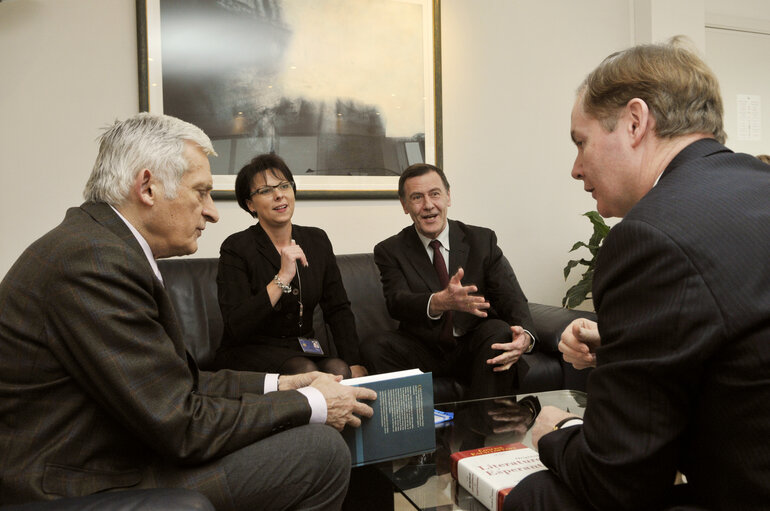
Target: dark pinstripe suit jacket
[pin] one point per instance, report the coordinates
(96, 390)
(682, 290)
(408, 279)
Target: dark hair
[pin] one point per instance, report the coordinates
(259, 165)
(419, 169)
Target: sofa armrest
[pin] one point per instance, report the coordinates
(550, 322)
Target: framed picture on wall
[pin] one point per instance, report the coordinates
(348, 92)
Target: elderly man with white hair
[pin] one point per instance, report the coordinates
(97, 392)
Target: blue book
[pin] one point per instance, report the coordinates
(402, 424)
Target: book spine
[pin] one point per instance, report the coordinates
(481, 488)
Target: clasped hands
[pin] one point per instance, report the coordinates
(342, 402)
(457, 297)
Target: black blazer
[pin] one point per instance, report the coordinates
(682, 291)
(248, 261)
(408, 279)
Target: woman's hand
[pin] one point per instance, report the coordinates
(289, 257)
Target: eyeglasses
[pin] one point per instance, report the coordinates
(266, 191)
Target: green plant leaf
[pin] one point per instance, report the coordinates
(577, 294)
(578, 245)
(580, 292)
(569, 267)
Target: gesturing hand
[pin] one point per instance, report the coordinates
(512, 351)
(342, 405)
(457, 297)
(289, 256)
(579, 342)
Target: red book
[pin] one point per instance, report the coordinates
(489, 473)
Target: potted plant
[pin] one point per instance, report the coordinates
(581, 291)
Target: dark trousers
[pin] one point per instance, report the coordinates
(467, 361)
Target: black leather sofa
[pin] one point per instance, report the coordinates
(191, 282)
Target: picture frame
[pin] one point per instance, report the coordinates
(332, 86)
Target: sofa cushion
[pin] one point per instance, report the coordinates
(192, 285)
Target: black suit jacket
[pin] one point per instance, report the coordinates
(409, 278)
(96, 389)
(682, 291)
(248, 261)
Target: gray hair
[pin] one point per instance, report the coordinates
(144, 141)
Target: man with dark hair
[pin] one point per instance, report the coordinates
(682, 345)
(97, 391)
(473, 325)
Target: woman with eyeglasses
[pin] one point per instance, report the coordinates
(271, 277)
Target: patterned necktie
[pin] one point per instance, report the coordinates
(446, 337)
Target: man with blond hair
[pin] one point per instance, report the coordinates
(97, 391)
(682, 344)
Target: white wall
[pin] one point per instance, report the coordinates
(510, 69)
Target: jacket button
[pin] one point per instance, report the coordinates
(295, 291)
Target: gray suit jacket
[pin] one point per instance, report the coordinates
(409, 278)
(682, 291)
(96, 389)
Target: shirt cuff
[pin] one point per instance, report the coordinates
(427, 311)
(531, 347)
(271, 383)
(568, 423)
(317, 404)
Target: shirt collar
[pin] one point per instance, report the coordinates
(443, 237)
(142, 243)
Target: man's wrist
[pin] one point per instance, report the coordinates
(531, 342)
(433, 314)
(568, 422)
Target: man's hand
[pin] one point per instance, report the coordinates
(579, 342)
(457, 297)
(512, 351)
(297, 381)
(342, 405)
(546, 420)
(357, 371)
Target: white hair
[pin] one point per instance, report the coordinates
(144, 141)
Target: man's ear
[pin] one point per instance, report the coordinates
(145, 187)
(403, 205)
(639, 120)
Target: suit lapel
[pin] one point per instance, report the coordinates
(266, 247)
(418, 258)
(458, 248)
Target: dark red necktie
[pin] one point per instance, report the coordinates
(446, 337)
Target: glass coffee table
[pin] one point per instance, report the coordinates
(425, 481)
